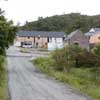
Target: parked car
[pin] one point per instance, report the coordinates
(27, 45)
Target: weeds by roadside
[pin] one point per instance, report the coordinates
(86, 80)
(3, 81)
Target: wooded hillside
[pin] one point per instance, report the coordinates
(66, 22)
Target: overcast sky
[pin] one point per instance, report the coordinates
(30, 10)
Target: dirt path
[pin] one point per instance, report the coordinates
(26, 82)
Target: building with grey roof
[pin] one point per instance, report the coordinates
(93, 31)
(41, 33)
(94, 36)
(40, 39)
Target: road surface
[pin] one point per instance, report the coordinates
(26, 82)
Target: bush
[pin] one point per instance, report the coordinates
(2, 69)
(3, 82)
(87, 59)
(85, 79)
(65, 59)
(74, 56)
(61, 60)
(96, 50)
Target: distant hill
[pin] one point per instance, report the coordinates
(66, 23)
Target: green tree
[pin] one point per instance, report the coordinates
(66, 23)
(7, 33)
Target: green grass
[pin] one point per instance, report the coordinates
(86, 80)
(24, 50)
(3, 81)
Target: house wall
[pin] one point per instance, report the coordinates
(55, 43)
(56, 40)
(38, 41)
(42, 41)
(95, 39)
(23, 39)
(81, 39)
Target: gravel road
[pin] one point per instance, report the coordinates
(26, 82)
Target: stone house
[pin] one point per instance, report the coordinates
(78, 38)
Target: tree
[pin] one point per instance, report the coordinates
(7, 33)
(66, 23)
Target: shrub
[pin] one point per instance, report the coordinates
(87, 59)
(2, 69)
(2, 60)
(74, 56)
(64, 59)
(96, 50)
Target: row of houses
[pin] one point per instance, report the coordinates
(50, 40)
(53, 40)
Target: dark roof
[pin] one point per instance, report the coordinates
(90, 33)
(41, 33)
(95, 31)
(73, 33)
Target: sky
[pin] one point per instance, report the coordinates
(29, 10)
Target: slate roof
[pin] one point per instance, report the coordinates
(41, 34)
(96, 31)
(72, 34)
(90, 33)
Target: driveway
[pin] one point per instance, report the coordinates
(26, 82)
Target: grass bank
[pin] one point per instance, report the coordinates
(3, 81)
(86, 80)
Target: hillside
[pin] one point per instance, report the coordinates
(66, 23)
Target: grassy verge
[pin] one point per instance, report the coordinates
(24, 50)
(86, 80)
(3, 82)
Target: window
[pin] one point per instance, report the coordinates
(46, 43)
(76, 43)
(55, 39)
(38, 37)
(63, 38)
(37, 44)
(99, 38)
(28, 37)
(50, 39)
(34, 39)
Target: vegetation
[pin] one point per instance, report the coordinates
(3, 81)
(86, 80)
(66, 23)
(65, 58)
(7, 35)
(75, 66)
(24, 50)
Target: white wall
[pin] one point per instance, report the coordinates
(18, 44)
(56, 43)
(57, 40)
